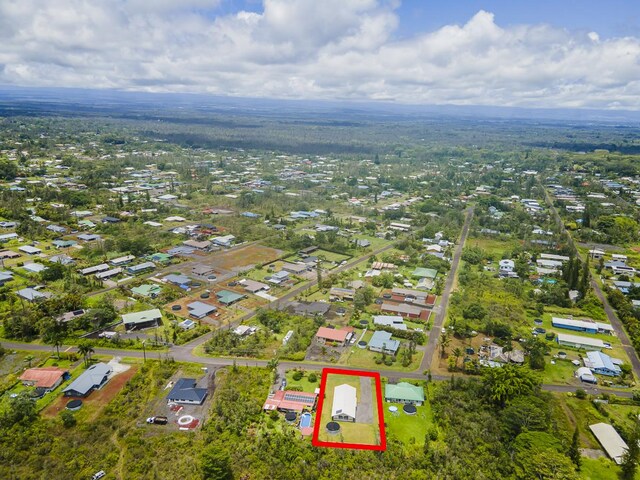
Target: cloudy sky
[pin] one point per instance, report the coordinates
(542, 53)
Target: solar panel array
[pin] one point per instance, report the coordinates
(295, 397)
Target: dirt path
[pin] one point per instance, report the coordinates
(364, 413)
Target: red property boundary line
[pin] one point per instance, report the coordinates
(317, 426)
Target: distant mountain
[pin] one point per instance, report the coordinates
(39, 100)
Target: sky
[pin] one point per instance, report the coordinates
(542, 53)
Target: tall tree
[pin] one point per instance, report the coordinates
(630, 457)
(574, 449)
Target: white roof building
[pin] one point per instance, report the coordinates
(610, 440)
(344, 402)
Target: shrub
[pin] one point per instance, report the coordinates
(581, 394)
(313, 378)
(68, 420)
(297, 375)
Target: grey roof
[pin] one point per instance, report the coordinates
(30, 294)
(178, 279)
(382, 339)
(185, 390)
(91, 378)
(200, 309)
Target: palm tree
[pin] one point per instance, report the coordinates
(457, 353)
(445, 340)
(28, 359)
(85, 349)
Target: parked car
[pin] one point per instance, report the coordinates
(158, 420)
(98, 475)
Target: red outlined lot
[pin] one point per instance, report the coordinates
(316, 442)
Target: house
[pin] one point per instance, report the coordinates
(29, 250)
(307, 251)
(290, 401)
(198, 245)
(68, 316)
(109, 273)
(5, 277)
(103, 267)
(8, 254)
(88, 237)
(393, 321)
(140, 320)
(278, 278)
(34, 267)
(506, 266)
(576, 341)
(252, 286)
(383, 266)
(46, 378)
(200, 310)
(610, 440)
(363, 243)
(224, 241)
(226, 297)
(344, 404)
(244, 330)
(62, 259)
(421, 272)
(56, 229)
(405, 393)
(596, 254)
(147, 290)
(295, 268)
(586, 325)
(187, 324)
(141, 268)
(415, 297)
(177, 279)
(8, 237)
(326, 335)
(110, 220)
(32, 295)
(381, 342)
(586, 375)
(311, 308)
(93, 378)
(406, 311)
(185, 391)
(160, 257)
(341, 294)
(603, 364)
(202, 270)
(122, 260)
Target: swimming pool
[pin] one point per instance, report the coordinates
(305, 420)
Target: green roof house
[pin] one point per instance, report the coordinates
(140, 320)
(226, 297)
(421, 272)
(404, 392)
(147, 290)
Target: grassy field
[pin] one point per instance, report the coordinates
(304, 382)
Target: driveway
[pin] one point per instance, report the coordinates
(364, 412)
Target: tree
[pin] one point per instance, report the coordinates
(21, 410)
(445, 340)
(68, 419)
(28, 359)
(457, 353)
(215, 464)
(85, 349)
(630, 457)
(363, 297)
(8, 169)
(508, 382)
(574, 449)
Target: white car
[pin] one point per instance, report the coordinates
(98, 475)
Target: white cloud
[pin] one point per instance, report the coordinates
(310, 49)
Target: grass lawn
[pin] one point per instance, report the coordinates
(562, 372)
(363, 433)
(359, 357)
(599, 469)
(409, 429)
(304, 382)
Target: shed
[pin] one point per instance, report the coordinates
(610, 440)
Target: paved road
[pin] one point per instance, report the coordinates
(615, 322)
(444, 301)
